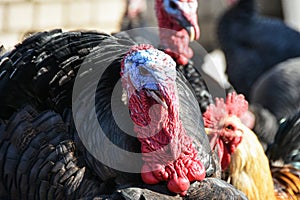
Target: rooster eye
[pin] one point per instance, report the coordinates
(173, 5)
(229, 127)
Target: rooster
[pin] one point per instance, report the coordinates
(242, 157)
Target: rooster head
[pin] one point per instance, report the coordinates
(181, 17)
(224, 127)
(149, 78)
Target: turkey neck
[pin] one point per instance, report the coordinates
(160, 125)
(168, 153)
(173, 37)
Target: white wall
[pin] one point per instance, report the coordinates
(291, 11)
(20, 16)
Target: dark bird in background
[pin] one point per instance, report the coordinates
(276, 93)
(44, 134)
(284, 155)
(253, 44)
(278, 90)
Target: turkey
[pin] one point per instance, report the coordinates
(253, 44)
(39, 159)
(181, 17)
(57, 73)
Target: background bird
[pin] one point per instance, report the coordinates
(285, 158)
(253, 44)
(282, 84)
(244, 162)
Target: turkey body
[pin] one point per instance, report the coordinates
(39, 159)
(253, 44)
(40, 73)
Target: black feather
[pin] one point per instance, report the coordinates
(253, 44)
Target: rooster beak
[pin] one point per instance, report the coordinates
(157, 97)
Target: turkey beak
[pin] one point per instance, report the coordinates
(188, 27)
(157, 97)
(192, 33)
(190, 23)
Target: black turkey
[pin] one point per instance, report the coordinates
(76, 75)
(253, 44)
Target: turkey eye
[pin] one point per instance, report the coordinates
(229, 127)
(143, 71)
(173, 5)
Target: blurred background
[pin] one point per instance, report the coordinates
(20, 17)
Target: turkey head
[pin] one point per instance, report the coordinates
(149, 78)
(180, 16)
(224, 127)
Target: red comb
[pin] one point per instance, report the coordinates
(234, 105)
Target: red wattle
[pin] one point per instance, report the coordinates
(169, 154)
(196, 172)
(179, 185)
(147, 176)
(225, 161)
